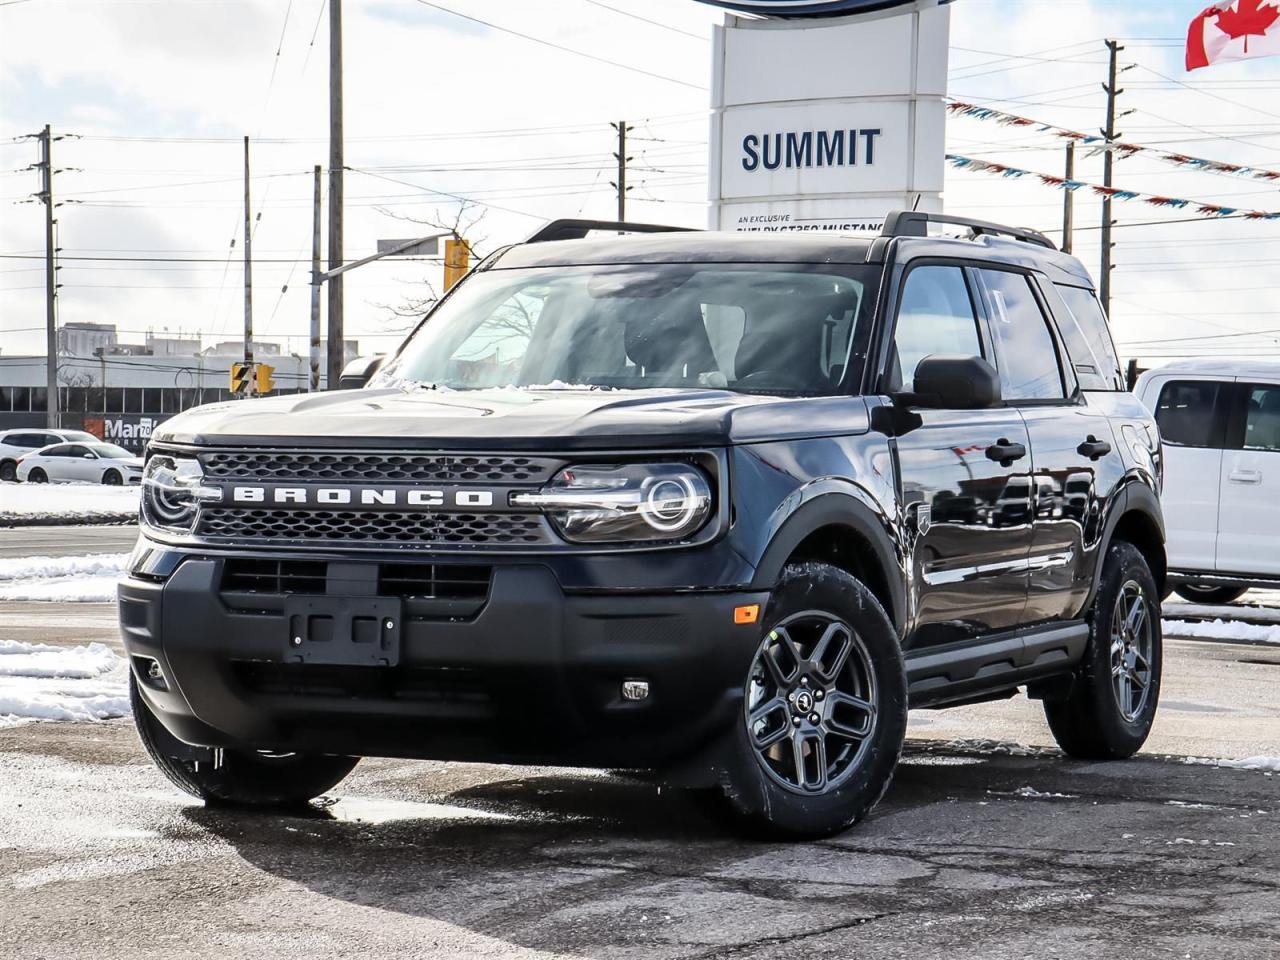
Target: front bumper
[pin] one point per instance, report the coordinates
(534, 675)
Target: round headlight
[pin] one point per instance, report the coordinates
(172, 489)
(622, 503)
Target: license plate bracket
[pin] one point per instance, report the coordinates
(343, 631)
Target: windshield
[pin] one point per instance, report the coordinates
(785, 329)
(109, 451)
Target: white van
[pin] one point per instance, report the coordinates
(1220, 424)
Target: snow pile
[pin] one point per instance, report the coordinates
(90, 579)
(1223, 630)
(1269, 764)
(43, 682)
(24, 504)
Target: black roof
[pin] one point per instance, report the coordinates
(785, 247)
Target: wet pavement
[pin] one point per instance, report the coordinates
(975, 852)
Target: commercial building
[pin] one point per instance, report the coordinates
(121, 391)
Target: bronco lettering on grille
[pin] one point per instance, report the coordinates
(425, 497)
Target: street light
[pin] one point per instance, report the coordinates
(428, 246)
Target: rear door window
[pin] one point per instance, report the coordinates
(1191, 413)
(1087, 336)
(1026, 351)
(1262, 418)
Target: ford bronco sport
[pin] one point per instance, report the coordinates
(714, 505)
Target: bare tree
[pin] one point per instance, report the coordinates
(461, 220)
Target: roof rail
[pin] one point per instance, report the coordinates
(577, 229)
(915, 223)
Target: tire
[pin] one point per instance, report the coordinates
(1098, 719)
(1196, 593)
(37, 476)
(112, 478)
(244, 778)
(824, 711)
(8, 470)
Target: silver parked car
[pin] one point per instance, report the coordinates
(95, 462)
(23, 440)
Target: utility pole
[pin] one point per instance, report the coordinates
(1068, 198)
(248, 263)
(50, 280)
(336, 336)
(1108, 160)
(313, 383)
(621, 183)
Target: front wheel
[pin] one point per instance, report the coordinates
(1197, 593)
(249, 778)
(37, 476)
(1112, 703)
(112, 478)
(824, 709)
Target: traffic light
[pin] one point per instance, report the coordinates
(240, 376)
(262, 378)
(457, 257)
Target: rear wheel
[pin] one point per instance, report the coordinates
(251, 778)
(37, 476)
(1200, 593)
(112, 478)
(1112, 703)
(824, 709)
(8, 470)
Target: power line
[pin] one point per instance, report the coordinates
(656, 23)
(560, 47)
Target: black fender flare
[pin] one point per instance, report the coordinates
(1133, 497)
(838, 507)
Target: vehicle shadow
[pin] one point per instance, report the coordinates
(589, 865)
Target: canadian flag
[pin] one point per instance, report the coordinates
(1234, 30)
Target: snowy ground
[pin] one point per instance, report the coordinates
(90, 579)
(43, 682)
(25, 503)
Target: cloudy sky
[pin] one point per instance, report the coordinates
(155, 95)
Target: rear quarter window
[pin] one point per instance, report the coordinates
(1088, 338)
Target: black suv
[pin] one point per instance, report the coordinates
(715, 505)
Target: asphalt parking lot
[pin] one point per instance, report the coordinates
(989, 844)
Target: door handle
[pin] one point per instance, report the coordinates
(1245, 476)
(1093, 448)
(1004, 452)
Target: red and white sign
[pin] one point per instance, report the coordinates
(1234, 30)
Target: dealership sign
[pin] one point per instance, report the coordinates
(828, 124)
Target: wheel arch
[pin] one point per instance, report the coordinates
(1137, 520)
(839, 529)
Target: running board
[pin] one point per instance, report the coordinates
(961, 671)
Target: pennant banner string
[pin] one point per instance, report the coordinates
(1098, 143)
(1207, 210)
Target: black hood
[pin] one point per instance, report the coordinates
(513, 419)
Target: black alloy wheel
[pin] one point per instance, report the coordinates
(112, 478)
(8, 471)
(1111, 705)
(824, 709)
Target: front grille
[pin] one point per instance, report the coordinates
(439, 580)
(371, 529)
(274, 576)
(276, 466)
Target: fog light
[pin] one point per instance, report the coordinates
(635, 689)
(150, 671)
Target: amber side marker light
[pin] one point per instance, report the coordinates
(748, 614)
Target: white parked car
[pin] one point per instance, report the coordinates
(24, 440)
(95, 462)
(1220, 424)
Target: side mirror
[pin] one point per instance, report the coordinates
(359, 372)
(954, 382)
(88, 456)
